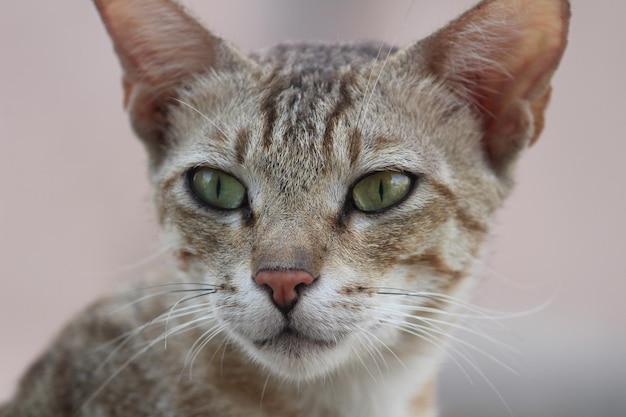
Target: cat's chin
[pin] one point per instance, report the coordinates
(293, 343)
(295, 356)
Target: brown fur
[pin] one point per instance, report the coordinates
(299, 126)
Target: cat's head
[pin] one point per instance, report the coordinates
(335, 198)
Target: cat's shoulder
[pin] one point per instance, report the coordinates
(93, 350)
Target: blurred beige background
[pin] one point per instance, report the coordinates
(75, 218)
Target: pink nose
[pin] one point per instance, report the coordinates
(283, 285)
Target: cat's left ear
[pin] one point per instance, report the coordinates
(500, 56)
(161, 49)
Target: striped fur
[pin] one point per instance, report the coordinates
(299, 125)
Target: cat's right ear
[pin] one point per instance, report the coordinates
(499, 57)
(161, 48)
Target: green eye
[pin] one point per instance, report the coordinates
(217, 189)
(381, 190)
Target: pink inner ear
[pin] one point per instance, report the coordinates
(161, 48)
(156, 41)
(501, 55)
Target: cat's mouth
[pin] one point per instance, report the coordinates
(293, 341)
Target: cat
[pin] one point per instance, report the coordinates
(324, 205)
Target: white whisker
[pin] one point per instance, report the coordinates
(367, 344)
(267, 380)
(366, 104)
(424, 334)
(478, 312)
(200, 344)
(383, 344)
(204, 116)
(356, 353)
(139, 263)
(134, 357)
(451, 324)
(169, 315)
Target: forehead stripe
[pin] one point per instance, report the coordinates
(274, 86)
(344, 102)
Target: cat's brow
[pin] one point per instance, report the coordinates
(355, 143)
(242, 141)
(343, 103)
(269, 111)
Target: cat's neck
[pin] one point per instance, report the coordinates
(390, 389)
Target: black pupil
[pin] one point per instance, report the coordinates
(380, 190)
(218, 187)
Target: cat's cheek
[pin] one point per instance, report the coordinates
(218, 243)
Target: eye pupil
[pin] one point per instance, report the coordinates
(381, 190)
(216, 189)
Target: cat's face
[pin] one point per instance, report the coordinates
(334, 201)
(300, 207)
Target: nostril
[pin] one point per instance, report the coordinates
(285, 285)
(300, 287)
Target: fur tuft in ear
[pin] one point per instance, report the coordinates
(501, 55)
(160, 48)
